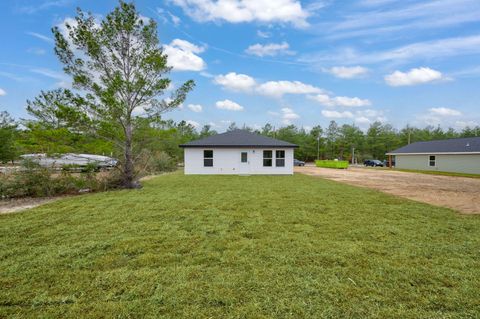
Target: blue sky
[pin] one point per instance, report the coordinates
(284, 61)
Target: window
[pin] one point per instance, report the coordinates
(244, 157)
(267, 158)
(280, 158)
(432, 162)
(208, 158)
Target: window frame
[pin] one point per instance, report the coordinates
(279, 158)
(267, 158)
(241, 157)
(207, 158)
(430, 161)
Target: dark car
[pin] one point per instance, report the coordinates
(373, 163)
(297, 162)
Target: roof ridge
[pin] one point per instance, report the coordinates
(240, 138)
(448, 139)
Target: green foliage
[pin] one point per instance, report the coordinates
(331, 164)
(211, 247)
(8, 134)
(57, 109)
(38, 139)
(152, 163)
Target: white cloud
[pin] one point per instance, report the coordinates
(195, 107)
(41, 37)
(362, 120)
(182, 56)
(175, 20)
(337, 115)
(235, 82)
(351, 101)
(263, 34)
(444, 111)
(442, 48)
(228, 105)
(343, 101)
(37, 51)
(63, 80)
(193, 123)
(238, 11)
(464, 124)
(288, 115)
(269, 49)
(31, 9)
(2, 92)
(368, 116)
(401, 17)
(413, 77)
(345, 72)
(245, 83)
(279, 88)
(372, 3)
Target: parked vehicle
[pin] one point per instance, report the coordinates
(373, 163)
(297, 162)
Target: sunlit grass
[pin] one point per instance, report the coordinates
(239, 247)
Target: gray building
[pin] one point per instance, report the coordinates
(459, 155)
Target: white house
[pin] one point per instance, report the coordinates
(238, 152)
(459, 155)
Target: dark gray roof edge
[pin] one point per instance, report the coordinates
(241, 146)
(463, 145)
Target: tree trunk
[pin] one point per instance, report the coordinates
(128, 169)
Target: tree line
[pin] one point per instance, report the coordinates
(48, 133)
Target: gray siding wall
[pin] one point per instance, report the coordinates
(445, 163)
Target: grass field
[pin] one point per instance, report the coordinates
(239, 247)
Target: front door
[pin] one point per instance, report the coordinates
(244, 163)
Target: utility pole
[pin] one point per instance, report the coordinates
(353, 155)
(318, 147)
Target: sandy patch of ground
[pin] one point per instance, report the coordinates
(459, 193)
(17, 205)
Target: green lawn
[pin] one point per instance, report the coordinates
(239, 247)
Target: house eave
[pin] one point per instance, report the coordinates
(238, 146)
(436, 153)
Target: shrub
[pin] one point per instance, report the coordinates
(32, 180)
(154, 163)
(331, 164)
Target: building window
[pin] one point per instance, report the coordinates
(244, 157)
(432, 162)
(208, 158)
(267, 158)
(280, 158)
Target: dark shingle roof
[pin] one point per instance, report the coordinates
(455, 145)
(238, 138)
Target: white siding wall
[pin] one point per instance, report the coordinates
(445, 163)
(227, 161)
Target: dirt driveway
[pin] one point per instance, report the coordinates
(459, 193)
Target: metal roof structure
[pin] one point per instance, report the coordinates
(466, 145)
(239, 138)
